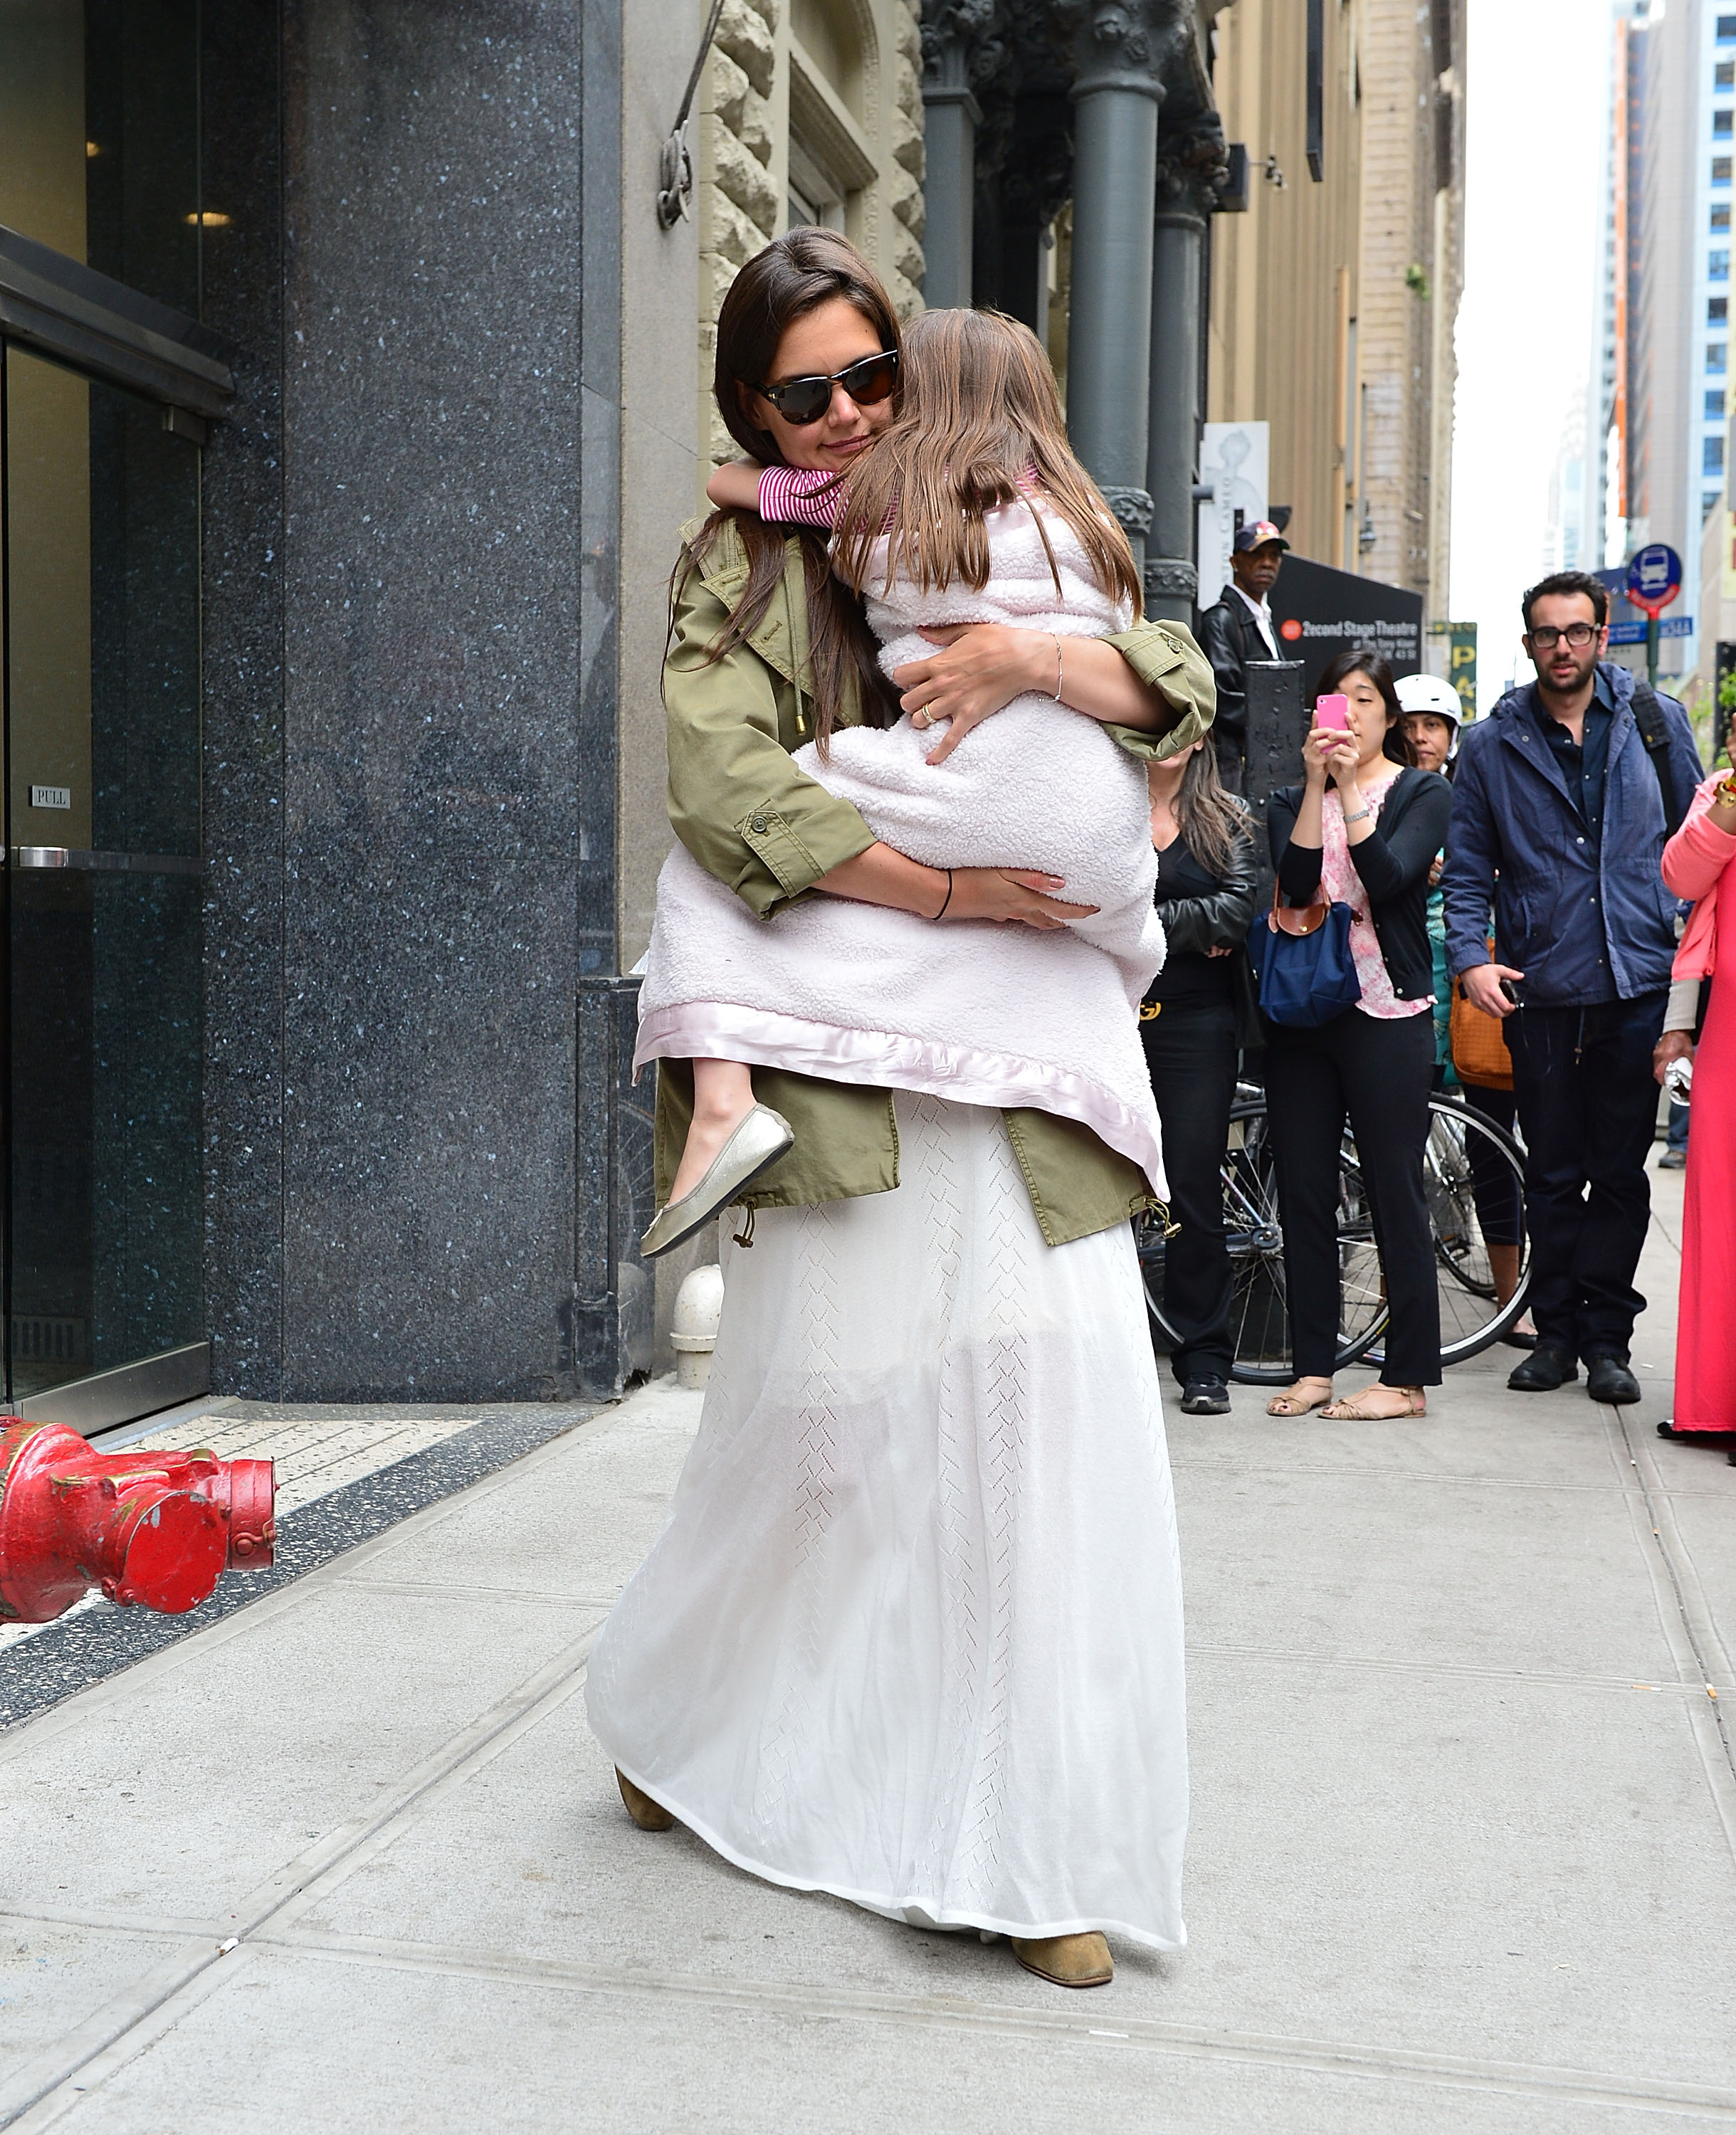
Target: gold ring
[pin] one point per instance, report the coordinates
(920, 717)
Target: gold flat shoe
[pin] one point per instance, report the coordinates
(759, 1139)
(1075, 1960)
(647, 1814)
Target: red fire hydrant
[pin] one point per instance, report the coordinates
(157, 1529)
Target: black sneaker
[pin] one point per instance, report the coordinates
(1543, 1371)
(1206, 1397)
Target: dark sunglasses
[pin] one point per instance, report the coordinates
(801, 401)
(1546, 637)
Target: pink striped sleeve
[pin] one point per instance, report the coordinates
(798, 497)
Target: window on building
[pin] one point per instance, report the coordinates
(1715, 355)
(1723, 76)
(1717, 310)
(1718, 266)
(1712, 456)
(1720, 170)
(1721, 217)
(1726, 28)
(1708, 500)
(1714, 406)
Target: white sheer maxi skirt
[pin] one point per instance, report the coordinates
(912, 1631)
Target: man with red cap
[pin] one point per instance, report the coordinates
(1239, 629)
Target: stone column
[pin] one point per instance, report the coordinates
(1119, 46)
(1187, 170)
(951, 117)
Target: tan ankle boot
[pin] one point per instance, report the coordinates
(647, 1814)
(1074, 1960)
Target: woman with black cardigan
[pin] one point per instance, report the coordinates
(1362, 828)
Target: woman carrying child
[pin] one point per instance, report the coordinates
(912, 1632)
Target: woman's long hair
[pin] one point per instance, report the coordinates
(980, 409)
(793, 276)
(1208, 815)
(1364, 660)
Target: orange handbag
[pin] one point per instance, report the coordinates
(1479, 1054)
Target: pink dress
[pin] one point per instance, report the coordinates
(1697, 863)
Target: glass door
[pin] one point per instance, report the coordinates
(99, 657)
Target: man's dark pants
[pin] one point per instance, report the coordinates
(1587, 1107)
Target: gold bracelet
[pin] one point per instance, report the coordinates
(1724, 793)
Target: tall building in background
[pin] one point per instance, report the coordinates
(1333, 299)
(1661, 340)
(1570, 542)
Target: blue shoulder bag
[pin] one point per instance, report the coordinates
(1303, 953)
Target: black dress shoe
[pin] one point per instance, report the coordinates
(1543, 1371)
(1206, 1397)
(1609, 1379)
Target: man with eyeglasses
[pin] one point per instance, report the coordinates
(1564, 797)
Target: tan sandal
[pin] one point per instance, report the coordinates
(1352, 1411)
(1292, 1403)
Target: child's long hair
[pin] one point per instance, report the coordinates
(979, 408)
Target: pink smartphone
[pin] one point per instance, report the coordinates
(1333, 712)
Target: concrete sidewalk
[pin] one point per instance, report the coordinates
(1463, 1858)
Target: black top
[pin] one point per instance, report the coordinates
(1188, 973)
(1393, 862)
(1584, 764)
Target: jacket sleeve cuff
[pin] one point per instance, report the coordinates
(788, 861)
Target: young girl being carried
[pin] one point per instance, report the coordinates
(970, 508)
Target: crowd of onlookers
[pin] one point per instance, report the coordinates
(1541, 886)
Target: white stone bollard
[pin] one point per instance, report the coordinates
(698, 1311)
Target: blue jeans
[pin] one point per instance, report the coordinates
(1587, 1105)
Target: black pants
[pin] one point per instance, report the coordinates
(1587, 1104)
(1379, 1074)
(1494, 1184)
(1191, 1051)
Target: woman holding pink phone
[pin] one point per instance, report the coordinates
(1362, 829)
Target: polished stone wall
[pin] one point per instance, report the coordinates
(412, 675)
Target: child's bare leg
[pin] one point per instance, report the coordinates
(723, 1097)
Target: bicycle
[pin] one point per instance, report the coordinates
(1466, 1154)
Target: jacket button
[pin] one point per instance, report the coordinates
(756, 824)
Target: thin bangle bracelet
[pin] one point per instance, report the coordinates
(948, 898)
(1059, 677)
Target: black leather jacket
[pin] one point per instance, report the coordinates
(1230, 638)
(1197, 924)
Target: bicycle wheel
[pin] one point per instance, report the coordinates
(1259, 1321)
(1470, 1167)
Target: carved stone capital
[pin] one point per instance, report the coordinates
(1170, 577)
(1128, 45)
(1193, 166)
(954, 33)
(1132, 507)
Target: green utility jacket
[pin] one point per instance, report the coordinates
(761, 825)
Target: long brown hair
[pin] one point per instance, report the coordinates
(980, 408)
(795, 275)
(1211, 818)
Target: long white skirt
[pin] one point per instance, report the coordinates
(912, 1631)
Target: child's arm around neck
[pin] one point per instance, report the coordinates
(790, 496)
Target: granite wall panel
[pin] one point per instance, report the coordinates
(435, 550)
(243, 706)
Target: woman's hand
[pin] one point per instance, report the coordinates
(1013, 893)
(1324, 754)
(978, 670)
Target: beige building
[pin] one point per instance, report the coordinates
(1333, 297)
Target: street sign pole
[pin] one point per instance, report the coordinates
(1652, 653)
(1654, 580)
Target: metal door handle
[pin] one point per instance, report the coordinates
(68, 856)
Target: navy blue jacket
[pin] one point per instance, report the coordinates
(1563, 901)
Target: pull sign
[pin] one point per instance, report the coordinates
(50, 796)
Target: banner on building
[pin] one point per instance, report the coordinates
(1321, 612)
(1233, 463)
(1460, 659)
